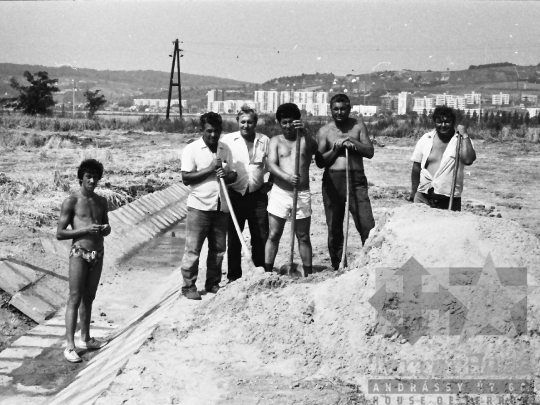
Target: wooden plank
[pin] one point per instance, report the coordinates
(33, 306)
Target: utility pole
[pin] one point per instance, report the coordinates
(176, 57)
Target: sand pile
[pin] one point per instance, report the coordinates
(326, 327)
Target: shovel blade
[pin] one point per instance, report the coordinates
(292, 270)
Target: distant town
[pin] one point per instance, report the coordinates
(316, 103)
(478, 90)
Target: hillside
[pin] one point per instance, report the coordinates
(117, 84)
(487, 78)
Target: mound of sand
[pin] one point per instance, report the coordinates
(280, 330)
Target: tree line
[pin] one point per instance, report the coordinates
(37, 97)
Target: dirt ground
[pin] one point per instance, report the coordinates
(501, 183)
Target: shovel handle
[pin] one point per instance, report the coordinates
(456, 167)
(247, 253)
(295, 196)
(344, 251)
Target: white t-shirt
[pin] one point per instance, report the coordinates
(251, 172)
(204, 195)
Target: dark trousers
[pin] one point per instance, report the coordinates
(252, 208)
(440, 203)
(199, 226)
(334, 191)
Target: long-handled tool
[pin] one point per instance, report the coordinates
(291, 269)
(343, 263)
(456, 167)
(247, 253)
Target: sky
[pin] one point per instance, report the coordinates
(256, 41)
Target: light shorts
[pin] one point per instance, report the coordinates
(280, 203)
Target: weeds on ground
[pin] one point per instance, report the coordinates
(19, 197)
(380, 126)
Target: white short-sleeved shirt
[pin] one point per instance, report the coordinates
(251, 172)
(442, 181)
(204, 195)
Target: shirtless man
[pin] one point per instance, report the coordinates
(434, 161)
(86, 213)
(340, 134)
(281, 156)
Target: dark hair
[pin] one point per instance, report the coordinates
(340, 98)
(245, 110)
(444, 111)
(211, 118)
(89, 165)
(288, 110)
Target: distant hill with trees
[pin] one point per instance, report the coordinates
(116, 85)
(492, 78)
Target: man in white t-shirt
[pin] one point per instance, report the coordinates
(203, 163)
(434, 160)
(249, 193)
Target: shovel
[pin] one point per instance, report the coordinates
(456, 167)
(247, 253)
(343, 263)
(293, 270)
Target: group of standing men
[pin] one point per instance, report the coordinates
(261, 180)
(261, 176)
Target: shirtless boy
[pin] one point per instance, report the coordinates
(86, 213)
(281, 156)
(434, 161)
(343, 133)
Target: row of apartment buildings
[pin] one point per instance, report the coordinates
(157, 102)
(315, 103)
(429, 103)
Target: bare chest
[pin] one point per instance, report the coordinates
(437, 151)
(250, 149)
(336, 134)
(89, 211)
(287, 149)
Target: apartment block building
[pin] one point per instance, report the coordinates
(318, 109)
(473, 98)
(456, 102)
(389, 103)
(424, 103)
(232, 106)
(500, 99)
(214, 95)
(157, 103)
(268, 101)
(403, 98)
(366, 110)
